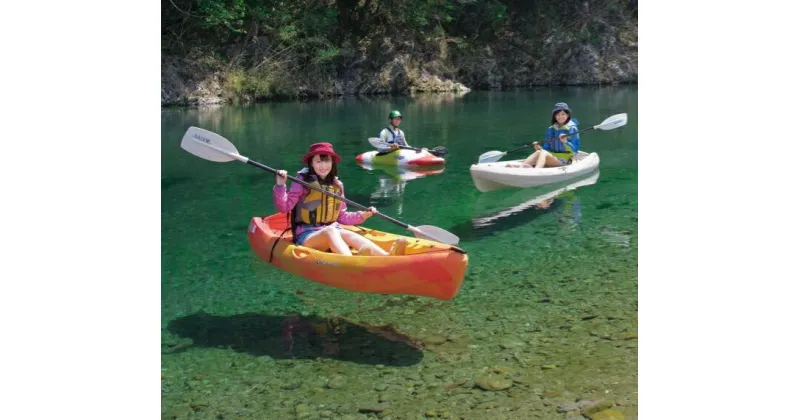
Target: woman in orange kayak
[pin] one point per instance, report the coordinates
(315, 216)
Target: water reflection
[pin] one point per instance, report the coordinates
(502, 210)
(392, 182)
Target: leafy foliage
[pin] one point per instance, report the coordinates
(326, 37)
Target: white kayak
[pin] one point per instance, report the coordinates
(512, 174)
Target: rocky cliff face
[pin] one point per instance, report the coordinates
(398, 68)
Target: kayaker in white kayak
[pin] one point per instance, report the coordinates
(393, 135)
(315, 217)
(561, 141)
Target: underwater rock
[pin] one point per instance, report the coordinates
(376, 408)
(592, 409)
(567, 407)
(301, 408)
(439, 413)
(435, 339)
(608, 415)
(493, 383)
(336, 381)
(510, 343)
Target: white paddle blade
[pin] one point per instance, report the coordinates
(435, 234)
(208, 145)
(491, 156)
(612, 122)
(377, 143)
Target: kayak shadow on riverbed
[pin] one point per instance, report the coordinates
(296, 337)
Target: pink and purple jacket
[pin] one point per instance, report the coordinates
(285, 202)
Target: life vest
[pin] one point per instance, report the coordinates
(318, 208)
(558, 149)
(400, 136)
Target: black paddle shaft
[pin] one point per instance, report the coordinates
(307, 185)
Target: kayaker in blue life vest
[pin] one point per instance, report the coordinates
(315, 217)
(393, 135)
(561, 141)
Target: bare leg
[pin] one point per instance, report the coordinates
(369, 248)
(325, 238)
(530, 160)
(543, 159)
(549, 162)
(362, 244)
(399, 247)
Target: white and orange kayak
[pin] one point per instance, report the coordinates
(400, 157)
(427, 268)
(400, 173)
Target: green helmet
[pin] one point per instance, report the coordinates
(395, 114)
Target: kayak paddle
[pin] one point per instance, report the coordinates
(211, 146)
(609, 123)
(380, 144)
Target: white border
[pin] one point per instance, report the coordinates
(717, 226)
(81, 214)
(81, 281)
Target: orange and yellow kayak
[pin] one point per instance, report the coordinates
(427, 268)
